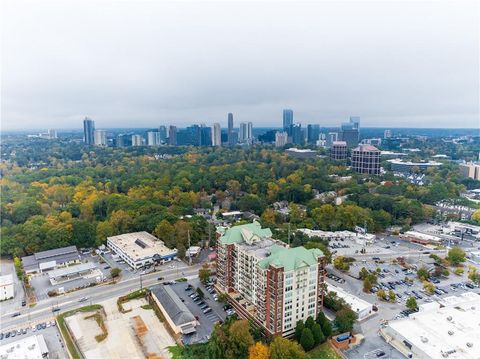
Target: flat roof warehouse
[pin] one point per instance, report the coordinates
(139, 245)
(49, 259)
(447, 331)
(140, 249)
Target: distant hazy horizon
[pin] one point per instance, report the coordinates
(145, 63)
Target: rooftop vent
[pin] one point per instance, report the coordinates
(424, 339)
(469, 344)
(449, 318)
(450, 332)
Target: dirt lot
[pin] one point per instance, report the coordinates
(136, 334)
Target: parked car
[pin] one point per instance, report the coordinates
(16, 314)
(160, 278)
(208, 310)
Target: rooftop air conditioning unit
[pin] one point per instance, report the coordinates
(450, 332)
(449, 318)
(469, 344)
(424, 339)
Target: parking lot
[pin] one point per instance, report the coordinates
(381, 258)
(46, 327)
(206, 320)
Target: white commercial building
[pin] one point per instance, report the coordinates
(450, 330)
(153, 138)
(100, 137)
(70, 273)
(7, 287)
(137, 140)
(281, 139)
(32, 347)
(420, 238)
(359, 238)
(139, 249)
(193, 251)
(358, 305)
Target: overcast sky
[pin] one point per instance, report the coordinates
(146, 63)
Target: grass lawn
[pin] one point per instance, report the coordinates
(193, 351)
(176, 352)
(323, 351)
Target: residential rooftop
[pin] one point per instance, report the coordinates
(366, 148)
(260, 248)
(290, 258)
(243, 233)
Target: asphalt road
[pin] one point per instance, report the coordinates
(43, 310)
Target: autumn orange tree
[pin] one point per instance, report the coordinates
(258, 351)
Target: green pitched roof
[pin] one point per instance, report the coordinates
(237, 234)
(290, 258)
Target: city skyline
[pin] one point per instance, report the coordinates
(333, 60)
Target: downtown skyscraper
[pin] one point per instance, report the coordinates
(88, 131)
(287, 120)
(231, 135)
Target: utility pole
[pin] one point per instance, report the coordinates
(209, 234)
(189, 253)
(289, 234)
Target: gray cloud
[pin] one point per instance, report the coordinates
(146, 63)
